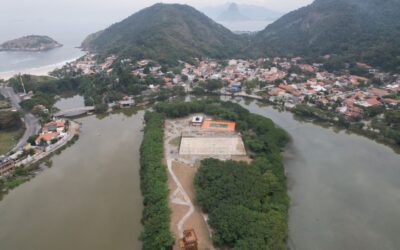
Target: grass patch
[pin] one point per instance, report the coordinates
(15, 182)
(176, 141)
(8, 138)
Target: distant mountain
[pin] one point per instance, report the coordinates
(250, 12)
(232, 14)
(30, 43)
(167, 33)
(366, 30)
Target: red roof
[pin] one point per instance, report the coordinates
(373, 101)
(47, 137)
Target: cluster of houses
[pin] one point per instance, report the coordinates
(87, 65)
(346, 93)
(50, 133)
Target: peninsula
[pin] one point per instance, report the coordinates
(32, 43)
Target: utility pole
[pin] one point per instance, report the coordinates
(22, 83)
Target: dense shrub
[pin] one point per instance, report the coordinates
(156, 214)
(10, 120)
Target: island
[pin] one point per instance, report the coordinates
(32, 43)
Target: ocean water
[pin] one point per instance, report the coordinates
(250, 25)
(69, 30)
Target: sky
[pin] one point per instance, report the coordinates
(32, 6)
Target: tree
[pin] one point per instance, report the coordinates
(10, 120)
(392, 118)
(100, 108)
(212, 85)
(32, 140)
(184, 78)
(146, 70)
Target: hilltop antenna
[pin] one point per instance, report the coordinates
(22, 83)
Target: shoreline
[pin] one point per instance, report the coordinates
(38, 71)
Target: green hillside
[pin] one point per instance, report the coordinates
(365, 30)
(167, 33)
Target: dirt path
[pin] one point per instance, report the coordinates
(180, 182)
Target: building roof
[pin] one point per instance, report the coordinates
(47, 136)
(373, 101)
(197, 119)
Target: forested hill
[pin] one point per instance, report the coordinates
(30, 43)
(366, 30)
(167, 33)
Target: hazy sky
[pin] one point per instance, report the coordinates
(31, 6)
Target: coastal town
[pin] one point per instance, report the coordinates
(349, 92)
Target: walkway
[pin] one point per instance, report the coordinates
(74, 111)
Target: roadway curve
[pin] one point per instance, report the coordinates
(32, 125)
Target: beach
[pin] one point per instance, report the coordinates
(39, 71)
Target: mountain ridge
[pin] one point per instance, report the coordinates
(232, 14)
(166, 32)
(365, 30)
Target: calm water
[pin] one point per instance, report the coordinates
(72, 102)
(89, 199)
(344, 189)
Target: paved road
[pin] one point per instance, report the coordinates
(31, 122)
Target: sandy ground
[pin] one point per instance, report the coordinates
(185, 174)
(39, 71)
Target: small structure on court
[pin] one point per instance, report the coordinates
(189, 240)
(197, 120)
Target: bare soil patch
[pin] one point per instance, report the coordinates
(185, 174)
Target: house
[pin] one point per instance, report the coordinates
(378, 92)
(47, 137)
(197, 120)
(126, 102)
(363, 65)
(234, 87)
(275, 91)
(306, 68)
(57, 126)
(356, 80)
(370, 102)
(373, 102)
(40, 108)
(353, 112)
